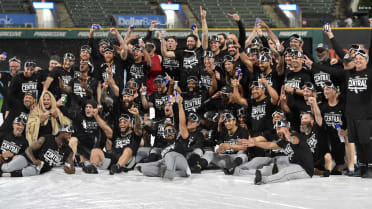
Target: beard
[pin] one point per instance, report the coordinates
(305, 128)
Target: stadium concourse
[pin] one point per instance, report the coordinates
(211, 190)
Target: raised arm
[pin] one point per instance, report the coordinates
(316, 111)
(244, 58)
(203, 16)
(102, 124)
(272, 92)
(137, 121)
(242, 36)
(251, 36)
(341, 53)
(182, 118)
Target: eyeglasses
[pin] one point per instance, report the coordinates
(282, 123)
(296, 53)
(20, 120)
(264, 58)
(252, 51)
(362, 53)
(228, 58)
(104, 41)
(125, 117)
(241, 111)
(256, 84)
(194, 117)
(30, 65)
(227, 116)
(109, 48)
(354, 47)
(69, 56)
(192, 79)
(281, 113)
(14, 59)
(215, 38)
(158, 81)
(136, 47)
(288, 51)
(296, 37)
(86, 48)
(329, 84)
(308, 85)
(266, 50)
(208, 54)
(127, 91)
(169, 131)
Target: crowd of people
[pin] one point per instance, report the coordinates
(246, 105)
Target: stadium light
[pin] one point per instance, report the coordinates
(288, 7)
(170, 7)
(43, 5)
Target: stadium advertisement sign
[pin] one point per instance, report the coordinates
(17, 19)
(6, 33)
(138, 20)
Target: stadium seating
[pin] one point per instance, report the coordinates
(316, 12)
(12, 6)
(86, 12)
(217, 11)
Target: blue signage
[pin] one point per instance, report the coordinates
(138, 20)
(18, 19)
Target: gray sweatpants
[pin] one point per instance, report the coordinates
(20, 163)
(176, 166)
(142, 153)
(291, 172)
(264, 164)
(224, 160)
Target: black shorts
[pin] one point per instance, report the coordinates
(114, 158)
(319, 164)
(359, 130)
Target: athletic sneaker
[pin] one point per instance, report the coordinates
(115, 169)
(229, 171)
(195, 169)
(91, 169)
(258, 178)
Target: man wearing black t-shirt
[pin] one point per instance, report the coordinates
(228, 153)
(126, 141)
(91, 132)
(296, 78)
(44, 154)
(80, 89)
(208, 80)
(28, 81)
(171, 65)
(333, 111)
(295, 147)
(314, 129)
(6, 78)
(158, 99)
(190, 58)
(13, 143)
(194, 97)
(260, 107)
(265, 164)
(59, 77)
